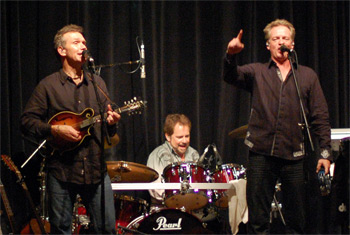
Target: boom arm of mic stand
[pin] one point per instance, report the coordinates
(301, 103)
(122, 63)
(36, 150)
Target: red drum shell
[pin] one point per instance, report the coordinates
(185, 172)
(127, 208)
(225, 174)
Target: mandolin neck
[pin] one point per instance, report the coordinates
(90, 121)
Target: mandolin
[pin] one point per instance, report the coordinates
(9, 163)
(83, 122)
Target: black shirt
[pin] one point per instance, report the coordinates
(275, 108)
(56, 93)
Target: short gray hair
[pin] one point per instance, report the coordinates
(58, 40)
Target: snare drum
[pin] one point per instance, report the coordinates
(185, 173)
(225, 174)
(127, 208)
(168, 221)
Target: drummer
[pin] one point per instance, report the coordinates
(176, 148)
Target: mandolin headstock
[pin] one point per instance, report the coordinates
(133, 106)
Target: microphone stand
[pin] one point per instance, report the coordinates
(305, 124)
(104, 133)
(35, 151)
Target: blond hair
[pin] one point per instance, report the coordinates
(279, 22)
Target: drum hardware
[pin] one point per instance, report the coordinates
(173, 172)
(43, 195)
(81, 220)
(210, 159)
(210, 196)
(184, 187)
(206, 214)
(184, 172)
(276, 206)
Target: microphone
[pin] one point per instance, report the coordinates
(284, 48)
(143, 71)
(90, 60)
(88, 56)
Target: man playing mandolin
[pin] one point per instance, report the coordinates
(76, 170)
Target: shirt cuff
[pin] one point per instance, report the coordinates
(230, 58)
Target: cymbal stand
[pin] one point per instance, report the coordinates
(43, 195)
(276, 205)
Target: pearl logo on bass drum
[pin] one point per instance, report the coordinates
(163, 225)
(168, 221)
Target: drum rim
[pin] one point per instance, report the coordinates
(130, 198)
(174, 164)
(231, 164)
(137, 219)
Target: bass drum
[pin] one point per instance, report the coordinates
(168, 221)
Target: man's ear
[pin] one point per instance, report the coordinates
(267, 45)
(61, 51)
(167, 137)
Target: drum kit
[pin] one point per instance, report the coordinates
(186, 211)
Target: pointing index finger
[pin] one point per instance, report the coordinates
(240, 34)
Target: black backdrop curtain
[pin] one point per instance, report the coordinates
(185, 42)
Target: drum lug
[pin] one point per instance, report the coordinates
(184, 174)
(184, 186)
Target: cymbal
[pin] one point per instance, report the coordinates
(239, 133)
(114, 141)
(130, 172)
